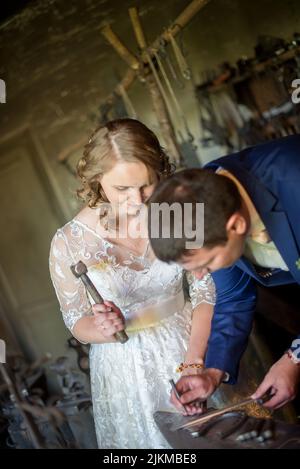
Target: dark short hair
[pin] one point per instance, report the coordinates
(220, 197)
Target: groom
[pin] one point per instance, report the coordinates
(251, 234)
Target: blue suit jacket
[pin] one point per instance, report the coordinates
(270, 173)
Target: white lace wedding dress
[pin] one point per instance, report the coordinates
(131, 381)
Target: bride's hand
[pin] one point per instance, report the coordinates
(108, 318)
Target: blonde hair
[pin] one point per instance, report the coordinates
(118, 140)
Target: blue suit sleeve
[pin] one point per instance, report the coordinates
(232, 320)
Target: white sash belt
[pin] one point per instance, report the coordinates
(152, 314)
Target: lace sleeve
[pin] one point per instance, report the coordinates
(70, 291)
(201, 291)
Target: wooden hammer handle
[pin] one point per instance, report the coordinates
(120, 336)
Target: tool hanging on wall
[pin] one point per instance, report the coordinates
(173, 96)
(158, 82)
(182, 20)
(212, 132)
(164, 95)
(159, 99)
(182, 64)
(186, 142)
(168, 61)
(187, 146)
(149, 54)
(127, 102)
(188, 150)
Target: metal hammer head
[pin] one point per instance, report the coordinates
(79, 269)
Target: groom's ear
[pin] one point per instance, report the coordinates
(236, 224)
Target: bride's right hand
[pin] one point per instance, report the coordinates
(108, 318)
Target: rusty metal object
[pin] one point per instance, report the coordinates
(80, 271)
(82, 355)
(25, 412)
(171, 381)
(33, 417)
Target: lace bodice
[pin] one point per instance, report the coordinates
(126, 378)
(132, 282)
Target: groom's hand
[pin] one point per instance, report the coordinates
(282, 381)
(195, 388)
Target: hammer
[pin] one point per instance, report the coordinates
(80, 271)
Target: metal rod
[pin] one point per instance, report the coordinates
(171, 381)
(30, 424)
(206, 417)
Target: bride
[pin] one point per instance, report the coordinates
(121, 164)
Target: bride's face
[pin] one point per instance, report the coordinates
(128, 185)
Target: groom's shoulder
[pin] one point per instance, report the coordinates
(234, 282)
(283, 152)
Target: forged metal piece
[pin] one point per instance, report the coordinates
(210, 415)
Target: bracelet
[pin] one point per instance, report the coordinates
(293, 357)
(184, 366)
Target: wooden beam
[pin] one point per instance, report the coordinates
(180, 22)
(122, 50)
(127, 80)
(137, 27)
(67, 151)
(163, 118)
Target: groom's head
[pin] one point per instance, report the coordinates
(197, 218)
